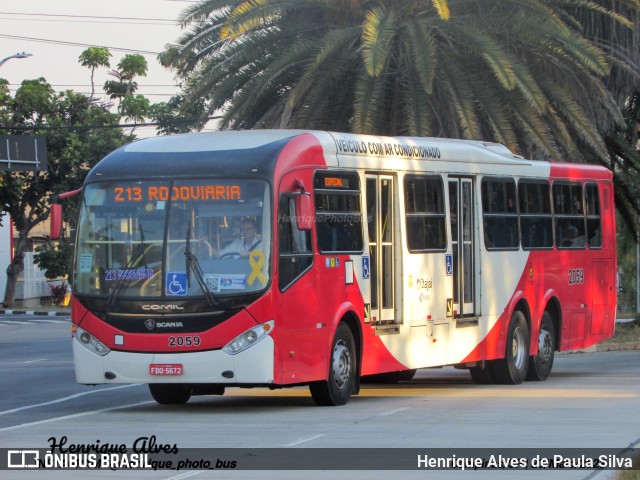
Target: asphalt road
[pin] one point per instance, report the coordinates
(591, 400)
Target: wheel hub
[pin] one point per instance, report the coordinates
(545, 347)
(341, 364)
(518, 348)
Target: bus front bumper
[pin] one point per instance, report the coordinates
(253, 366)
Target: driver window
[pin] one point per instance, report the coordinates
(296, 252)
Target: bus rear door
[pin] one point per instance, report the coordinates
(461, 214)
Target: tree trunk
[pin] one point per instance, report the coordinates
(13, 271)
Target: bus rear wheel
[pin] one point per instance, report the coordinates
(341, 381)
(512, 369)
(170, 393)
(540, 365)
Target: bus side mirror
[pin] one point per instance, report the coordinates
(55, 213)
(304, 212)
(55, 221)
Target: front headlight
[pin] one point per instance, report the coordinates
(89, 341)
(248, 338)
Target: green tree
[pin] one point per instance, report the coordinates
(134, 108)
(170, 116)
(178, 116)
(130, 67)
(54, 258)
(75, 141)
(94, 57)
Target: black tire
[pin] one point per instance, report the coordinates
(540, 365)
(390, 377)
(170, 393)
(207, 389)
(482, 374)
(341, 381)
(406, 375)
(512, 369)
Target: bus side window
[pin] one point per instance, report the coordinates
(536, 230)
(424, 205)
(569, 215)
(338, 212)
(500, 216)
(594, 232)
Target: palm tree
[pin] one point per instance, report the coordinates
(521, 72)
(624, 155)
(623, 148)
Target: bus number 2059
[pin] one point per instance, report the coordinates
(184, 341)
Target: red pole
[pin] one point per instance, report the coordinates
(10, 240)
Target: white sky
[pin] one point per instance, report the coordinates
(153, 24)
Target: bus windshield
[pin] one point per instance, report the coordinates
(172, 239)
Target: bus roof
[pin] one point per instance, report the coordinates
(258, 150)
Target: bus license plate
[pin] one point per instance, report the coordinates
(165, 369)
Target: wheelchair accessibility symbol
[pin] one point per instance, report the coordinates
(366, 268)
(176, 284)
(448, 258)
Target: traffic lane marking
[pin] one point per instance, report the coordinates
(76, 415)
(35, 361)
(70, 397)
(305, 440)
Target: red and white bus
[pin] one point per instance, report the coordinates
(373, 257)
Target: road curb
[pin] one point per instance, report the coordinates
(40, 313)
(616, 347)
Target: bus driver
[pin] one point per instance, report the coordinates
(243, 246)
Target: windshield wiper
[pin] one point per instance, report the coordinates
(140, 251)
(137, 254)
(192, 265)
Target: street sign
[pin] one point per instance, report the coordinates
(23, 153)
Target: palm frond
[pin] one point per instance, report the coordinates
(368, 102)
(602, 10)
(442, 7)
(420, 42)
(461, 97)
(483, 44)
(208, 9)
(495, 115)
(533, 125)
(378, 32)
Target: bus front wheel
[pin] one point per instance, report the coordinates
(170, 393)
(512, 369)
(341, 382)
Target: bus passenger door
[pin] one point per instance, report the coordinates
(380, 221)
(463, 246)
